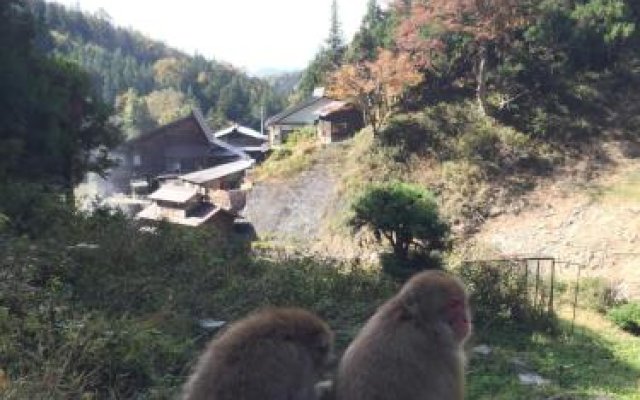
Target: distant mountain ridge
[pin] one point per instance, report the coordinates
(134, 72)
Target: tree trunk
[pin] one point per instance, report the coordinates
(481, 91)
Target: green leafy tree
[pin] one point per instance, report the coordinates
(134, 113)
(375, 32)
(53, 128)
(167, 105)
(404, 214)
(169, 72)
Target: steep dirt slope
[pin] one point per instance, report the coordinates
(594, 223)
(295, 209)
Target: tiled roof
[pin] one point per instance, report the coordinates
(212, 138)
(294, 109)
(210, 174)
(195, 218)
(243, 130)
(174, 193)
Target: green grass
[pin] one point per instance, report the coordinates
(293, 157)
(626, 189)
(598, 360)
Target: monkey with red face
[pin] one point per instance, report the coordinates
(412, 347)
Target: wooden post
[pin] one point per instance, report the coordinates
(553, 274)
(575, 299)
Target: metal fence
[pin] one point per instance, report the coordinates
(519, 286)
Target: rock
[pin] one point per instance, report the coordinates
(211, 324)
(532, 379)
(86, 246)
(483, 350)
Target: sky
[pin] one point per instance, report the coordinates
(251, 34)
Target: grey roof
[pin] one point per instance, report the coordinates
(195, 218)
(212, 138)
(262, 148)
(243, 130)
(332, 107)
(210, 174)
(174, 193)
(204, 127)
(304, 113)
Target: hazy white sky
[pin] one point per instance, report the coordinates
(252, 34)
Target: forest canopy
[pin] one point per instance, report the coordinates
(148, 82)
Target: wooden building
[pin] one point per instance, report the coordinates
(334, 120)
(205, 197)
(246, 139)
(299, 116)
(182, 146)
(338, 121)
(185, 205)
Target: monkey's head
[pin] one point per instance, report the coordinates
(297, 326)
(438, 302)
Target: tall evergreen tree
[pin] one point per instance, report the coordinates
(53, 129)
(335, 41)
(374, 33)
(328, 59)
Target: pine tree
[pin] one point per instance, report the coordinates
(374, 33)
(335, 41)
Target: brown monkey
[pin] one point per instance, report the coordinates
(412, 347)
(273, 354)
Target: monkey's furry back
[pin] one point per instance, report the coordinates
(263, 356)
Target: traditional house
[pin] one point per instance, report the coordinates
(298, 116)
(337, 115)
(246, 139)
(182, 146)
(185, 205)
(209, 196)
(338, 120)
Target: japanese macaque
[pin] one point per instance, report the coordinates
(274, 354)
(412, 347)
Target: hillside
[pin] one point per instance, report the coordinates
(594, 222)
(147, 81)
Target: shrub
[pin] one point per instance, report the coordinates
(596, 294)
(409, 134)
(402, 270)
(404, 215)
(33, 209)
(301, 135)
(627, 317)
(292, 157)
(500, 291)
(496, 290)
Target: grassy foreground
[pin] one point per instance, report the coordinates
(597, 361)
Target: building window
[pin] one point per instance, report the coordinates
(137, 160)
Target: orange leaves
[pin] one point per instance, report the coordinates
(375, 86)
(389, 75)
(485, 20)
(395, 72)
(410, 36)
